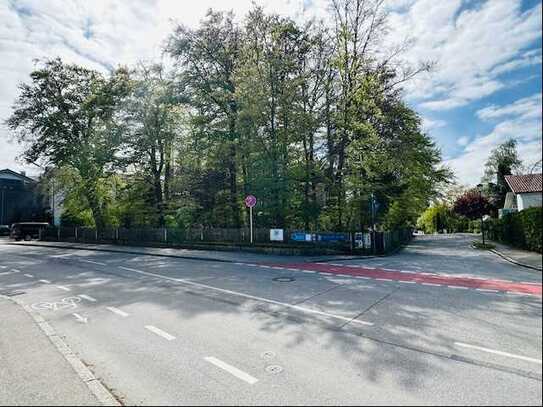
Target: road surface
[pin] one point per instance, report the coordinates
(438, 323)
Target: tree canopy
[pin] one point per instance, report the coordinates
(309, 119)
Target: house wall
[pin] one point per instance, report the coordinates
(525, 201)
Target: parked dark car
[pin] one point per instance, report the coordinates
(4, 230)
(27, 230)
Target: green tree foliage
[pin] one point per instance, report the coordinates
(308, 119)
(503, 160)
(64, 118)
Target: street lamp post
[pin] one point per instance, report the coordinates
(480, 189)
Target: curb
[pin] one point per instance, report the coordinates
(104, 396)
(123, 251)
(510, 260)
(177, 256)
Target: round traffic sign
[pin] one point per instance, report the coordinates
(250, 201)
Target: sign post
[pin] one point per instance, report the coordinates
(250, 201)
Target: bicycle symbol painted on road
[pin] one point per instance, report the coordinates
(65, 303)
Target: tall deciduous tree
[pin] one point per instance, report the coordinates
(63, 116)
(206, 61)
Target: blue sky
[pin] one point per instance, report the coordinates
(485, 88)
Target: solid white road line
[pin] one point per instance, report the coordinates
(458, 287)
(28, 275)
(497, 352)
(407, 282)
(383, 279)
(432, 284)
(487, 291)
(118, 311)
(87, 297)
(232, 370)
(45, 281)
(61, 255)
(248, 296)
(62, 287)
(363, 277)
(308, 271)
(160, 332)
(93, 262)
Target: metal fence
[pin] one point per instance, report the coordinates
(357, 242)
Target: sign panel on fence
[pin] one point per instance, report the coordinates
(332, 237)
(276, 235)
(297, 236)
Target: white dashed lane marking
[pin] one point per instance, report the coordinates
(160, 332)
(87, 297)
(234, 371)
(118, 311)
(45, 281)
(62, 287)
(28, 275)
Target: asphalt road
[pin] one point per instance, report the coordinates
(176, 331)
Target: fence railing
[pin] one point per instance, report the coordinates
(357, 242)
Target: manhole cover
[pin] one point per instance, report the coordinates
(274, 369)
(284, 279)
(268, 355)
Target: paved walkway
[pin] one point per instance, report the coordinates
(525, 257)
(32, 371)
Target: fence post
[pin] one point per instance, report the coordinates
(116, 234)
(202, 234)
(96, 234)
(58, 233)
(165, 234)
(76, 234)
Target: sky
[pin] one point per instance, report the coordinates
(484, 89)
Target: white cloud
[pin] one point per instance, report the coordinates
(472, 47)
(526, 108)
(430, 124)
(463, 141)
(522, 122)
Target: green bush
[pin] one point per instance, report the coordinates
(520, 229)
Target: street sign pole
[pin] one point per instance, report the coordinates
(250, 201)
(251, 222)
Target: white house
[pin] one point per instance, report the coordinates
(525, 192)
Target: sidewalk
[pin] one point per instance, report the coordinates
(32, 370)
(521, 257)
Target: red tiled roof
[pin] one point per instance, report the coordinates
(524, 183)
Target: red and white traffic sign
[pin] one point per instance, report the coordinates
(250, 201)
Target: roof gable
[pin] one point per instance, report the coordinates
(524, 183)
(9, 174)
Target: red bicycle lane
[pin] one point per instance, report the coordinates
(420, 277)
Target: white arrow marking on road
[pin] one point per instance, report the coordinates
(80, 318)
(497, 352)
(232, 370)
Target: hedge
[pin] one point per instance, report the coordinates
(520, 229)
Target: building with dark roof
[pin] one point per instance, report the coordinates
(525, 192)
(20, 199)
